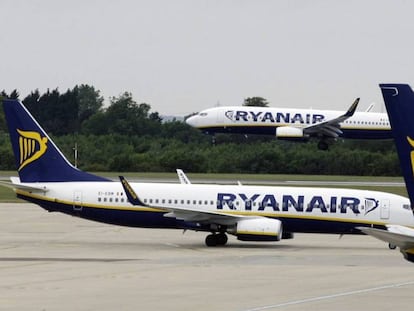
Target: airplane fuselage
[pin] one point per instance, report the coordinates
(318, 210)
(261, 120)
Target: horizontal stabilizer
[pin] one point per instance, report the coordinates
(400, 236)
(16, 184)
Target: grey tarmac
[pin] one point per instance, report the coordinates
(51, 261)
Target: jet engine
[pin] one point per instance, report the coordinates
(407, 255)
(287, 132)
(258, 229)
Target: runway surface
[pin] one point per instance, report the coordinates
(50, 261)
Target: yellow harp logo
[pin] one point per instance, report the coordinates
(32, 146)
(411, 142)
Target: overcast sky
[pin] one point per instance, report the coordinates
(183, 56)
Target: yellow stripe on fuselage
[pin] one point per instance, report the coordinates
(91, 205)
(240, 213)
(256, 233)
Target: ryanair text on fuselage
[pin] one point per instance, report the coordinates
(272, 202)
(278, 117)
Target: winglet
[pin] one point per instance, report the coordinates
(352, 109)
(130, 193)
(182, 177)
(370, 107)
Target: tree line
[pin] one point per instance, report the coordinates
(127, 136)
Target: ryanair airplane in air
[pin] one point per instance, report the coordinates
(251, 213)
(294, 124)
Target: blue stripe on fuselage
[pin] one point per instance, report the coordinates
(155, 219)
(352, 133)
(121, 217)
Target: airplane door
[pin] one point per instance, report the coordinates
(220, 116)
(385, 209)
(77, 201)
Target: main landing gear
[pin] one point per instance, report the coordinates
(216, 239)
(323, 145)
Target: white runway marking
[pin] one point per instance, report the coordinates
(356, 292)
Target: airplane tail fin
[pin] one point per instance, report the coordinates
(399, 101)
(37, 157)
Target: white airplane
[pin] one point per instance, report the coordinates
(399, 101)
(294, 124)
(251, 213)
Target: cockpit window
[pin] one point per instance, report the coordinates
(407, 206)
(202, 114)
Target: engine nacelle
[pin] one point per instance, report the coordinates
(407, 255)
(287, 132)
(259, 229)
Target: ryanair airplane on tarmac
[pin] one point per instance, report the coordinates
(251, 213)
(294, 124)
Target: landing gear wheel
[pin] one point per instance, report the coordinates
(216, 239)
(392, 246)
(323, 145)
(221, 239)
(213, 140)
(211, 240)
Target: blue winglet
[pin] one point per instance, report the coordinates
(399, 101)
(130, 193)
(37, 157)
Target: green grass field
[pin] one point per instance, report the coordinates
(7, 194)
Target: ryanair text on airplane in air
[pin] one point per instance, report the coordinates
(251, 213)
(294, 124)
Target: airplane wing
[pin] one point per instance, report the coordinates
(331, 127)
(396, 235)
(186, 214)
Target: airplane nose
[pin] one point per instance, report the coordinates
(192, 121)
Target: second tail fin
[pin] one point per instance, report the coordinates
(399, 101)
